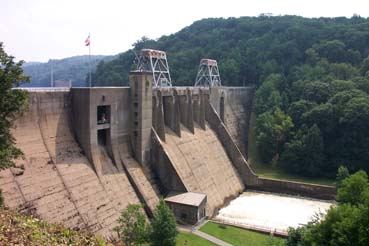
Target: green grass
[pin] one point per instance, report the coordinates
(268, 171)
(189, 239)
(238, 236)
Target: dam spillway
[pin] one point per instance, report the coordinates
(270, 212)
(203, 165)
(89, 152)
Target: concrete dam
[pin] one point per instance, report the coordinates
(89, 152)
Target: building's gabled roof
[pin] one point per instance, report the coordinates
(187, 198)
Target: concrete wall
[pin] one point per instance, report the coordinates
(85, 102)
(117, 157)
(295, 188)
(162, 165)
(237, 110)
(141, 114)
(80, 115)
(58, 183)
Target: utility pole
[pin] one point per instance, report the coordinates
(88, 43)
(52, 74)
(89, 55)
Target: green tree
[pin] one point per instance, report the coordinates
(333, 50)
(362, 83)
(355, 132)
(268, 97)
(297, 109)
(265, 136)
(312, 56)
(132, 226)
(283, 124)
(12, 104)
(354, 188)
(365, 66)
(318, 92)
(342, 173)
(294, 236)
(272, 130)
(342, 85)
(339, 228)
(304, 154)
(343, 71)
(163, 224)
(343, 225)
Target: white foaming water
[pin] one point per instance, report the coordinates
(271, 212)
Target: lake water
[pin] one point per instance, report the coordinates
(271, 212)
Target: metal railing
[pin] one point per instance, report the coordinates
(43, 89)
(263, 229)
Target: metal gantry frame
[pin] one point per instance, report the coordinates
(155, 61)
(208, 74)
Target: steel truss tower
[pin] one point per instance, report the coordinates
(155, 61)
(208, 73)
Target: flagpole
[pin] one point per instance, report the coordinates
(89, 56)
(52, 73)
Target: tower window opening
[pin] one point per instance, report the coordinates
(102, 137)
(103, 114)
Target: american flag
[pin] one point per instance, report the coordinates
(87, 41)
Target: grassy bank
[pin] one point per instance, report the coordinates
(189, 239)
(238, 236)
(268, 171)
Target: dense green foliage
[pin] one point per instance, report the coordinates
(329, 111)
(248, 49)
(163, 226)
(354, 190)
(325, 95)
(132, 226)
(345, 224)
(12, 103)
(342, 173)
(74, 69)
(240, 237)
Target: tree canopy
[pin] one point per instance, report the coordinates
(72, 69)
(249, 49)
(12, 103)
(164, 231)
(132, 226)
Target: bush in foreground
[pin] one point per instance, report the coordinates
(345, 224)
(18, 229)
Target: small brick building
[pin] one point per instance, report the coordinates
(187, 207)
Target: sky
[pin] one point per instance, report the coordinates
(39, 30)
